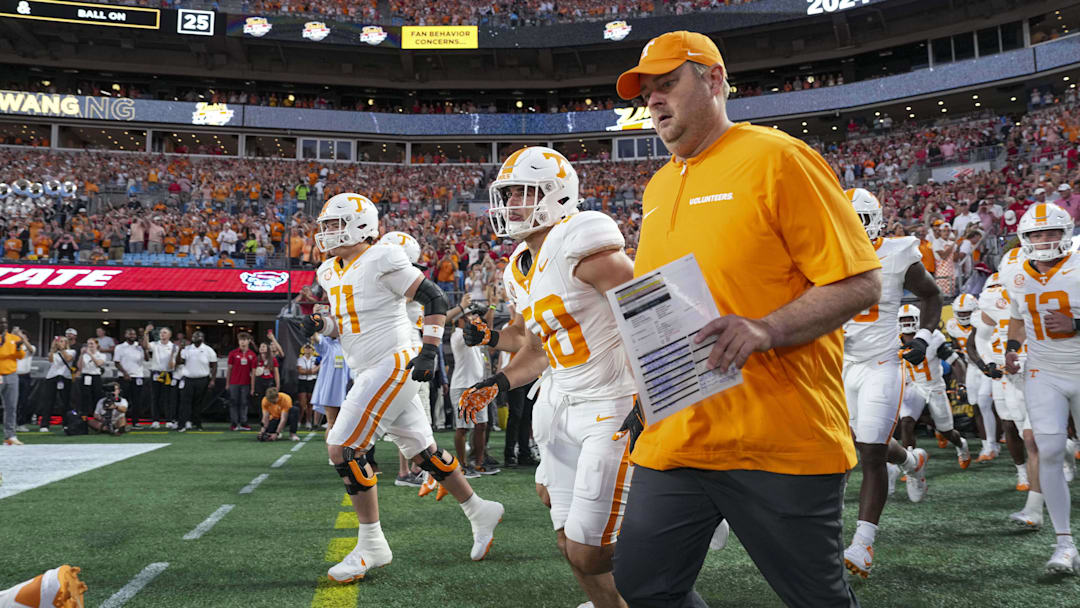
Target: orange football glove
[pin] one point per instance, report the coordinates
(477, 333)
(478, 396)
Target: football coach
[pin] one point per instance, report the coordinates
(787, 262)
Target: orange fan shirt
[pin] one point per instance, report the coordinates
(767, 220)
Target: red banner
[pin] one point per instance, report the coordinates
(126, 278)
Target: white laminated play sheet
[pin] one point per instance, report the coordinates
(658, 314)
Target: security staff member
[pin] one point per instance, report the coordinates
(200, 370)
(787, 262)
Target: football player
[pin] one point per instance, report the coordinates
(1008, 395)
(957, 329)
(409, 474)
(368, 287)
(59, 587)
(927, 387)
(566, 263)
(980, 344)
(1044, 311)
(873, 378)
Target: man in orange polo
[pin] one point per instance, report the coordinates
(787, 262)
(277, 411)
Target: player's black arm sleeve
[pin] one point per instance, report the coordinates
(431, 297)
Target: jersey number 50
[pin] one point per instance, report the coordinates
(553, 306)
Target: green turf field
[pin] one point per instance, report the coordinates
(271, 549)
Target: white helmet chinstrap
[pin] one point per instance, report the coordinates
(911, 313)
(548, 188)
(405, 241)
(1045, 216)
(346, 219)
(868, 208)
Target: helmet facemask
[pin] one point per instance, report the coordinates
(873, 222)
(909, 324)
(535, 209)
(333, 232)
(1045, 251)
(963, 318)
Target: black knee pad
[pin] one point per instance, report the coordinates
(356, 472)
(439, 464)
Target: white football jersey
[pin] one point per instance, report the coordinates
(367, 302)
(958, 332)
(929, 373)
(572, 318)
(514, 276)
(871, 334)
(990, 339)
(1034, 295)
(414, 312)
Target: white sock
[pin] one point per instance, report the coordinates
(911, 463)
(472, 506)
(1021, 472)
(1065, 540)
(370, 535)
(865, 532)
(1034, 503)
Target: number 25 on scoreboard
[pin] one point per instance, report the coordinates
(196, 23)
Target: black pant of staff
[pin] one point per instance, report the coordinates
(194, 395)
(53, 396)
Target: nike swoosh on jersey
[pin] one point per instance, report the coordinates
(1065, 272)
(599, 419)
(883, 362)
(648, 213)
(692, 54)
(541, 267)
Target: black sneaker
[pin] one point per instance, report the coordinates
(528, 461)
(510, 462)
(489, 461)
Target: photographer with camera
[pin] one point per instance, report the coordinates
(278, 409)
(57, 384)
(91, 365)
(110, 413)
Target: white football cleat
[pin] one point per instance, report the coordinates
(859, 560)
(1064, 561)
(894, 474)
(483, 529)
(585, 605)
(1031, 521)
(156, 425)
(720, 536)
(354, 566)
(59, 588)
(963, 454)
(916, 480)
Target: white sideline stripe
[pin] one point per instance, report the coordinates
(248, 489)
(310, 436)
(209, 522)
(296, 448)
(136, 584)
(281, 461)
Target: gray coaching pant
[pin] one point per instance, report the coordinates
(9, 397)
(789, 524)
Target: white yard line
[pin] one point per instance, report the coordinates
(248, 489)
(136, 584)
(208, 523)
(281, 461)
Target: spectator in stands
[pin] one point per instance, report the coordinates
(55, 393)
(129, 357)
(277, 411)
(155, 236)
(12, 350)
(307, 370)
(227, 240)
(1070, 201)
(137, 235)
(91, 365)
(197, 386)
(969, 216)
(105, 343)
(241, 381)
(66, 248)
(224, 261)
(116, 242)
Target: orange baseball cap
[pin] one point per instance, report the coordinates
(665, 53)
